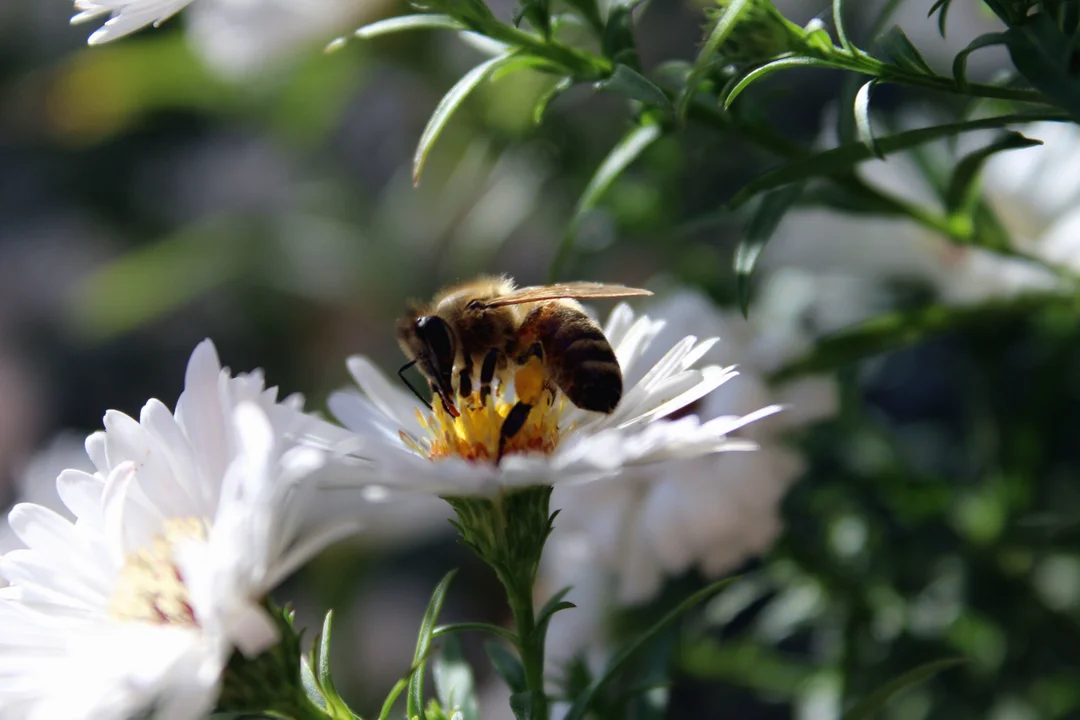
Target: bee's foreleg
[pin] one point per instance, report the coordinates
(465, 377)
(487, 374)
(514, 421)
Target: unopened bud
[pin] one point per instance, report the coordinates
(760, 33)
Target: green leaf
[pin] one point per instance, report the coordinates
(392, 696)
(863, 128)
(759, 230)
(1042, 52)
(321, 666)
(552, 606)
(448, 105)
(963, 193)
(873, 703)
(625, 152)
(909, 327)
(523, 705)
(838, 23)
(617, 40)
(959, 66)
(632, 84)
(581, 707)
(898, 48)
(311, 684)
(455, 628)
(763, 71)
(720, 32)
(414, 698)
(942, 8)
(548, 95)
(404, 23)
(454, 682)
(507, 666)
(840, 160)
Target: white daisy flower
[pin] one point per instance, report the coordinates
(189, 520)
(125, 16)
(710, 512)
(1034, 192)
(412, 448)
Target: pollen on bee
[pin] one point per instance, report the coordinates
(474, 434)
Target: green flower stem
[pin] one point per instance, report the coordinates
(530, 646)
(582, 65)
(867, 65)
(508, 532)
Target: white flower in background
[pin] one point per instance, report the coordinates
(711, 512)
(125, 16)
(237, 38)
(187, 523)
(410, 448)
(1034, 192)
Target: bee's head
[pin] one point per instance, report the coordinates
(428, 342)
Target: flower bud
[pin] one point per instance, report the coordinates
(760, 33)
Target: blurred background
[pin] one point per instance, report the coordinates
(224, 177)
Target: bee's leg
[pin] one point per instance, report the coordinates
(465, 378)
(487, 374)
(435, 394)
(514, 421)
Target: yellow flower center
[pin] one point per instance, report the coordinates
(474, 435)
(150, 587)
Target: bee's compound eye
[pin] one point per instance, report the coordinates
(434, 331)
(475, 305)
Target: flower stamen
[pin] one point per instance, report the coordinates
(474, 435)
(151, 587)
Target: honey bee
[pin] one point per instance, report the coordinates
(491, 325)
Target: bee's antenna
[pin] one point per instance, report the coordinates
(401, 374)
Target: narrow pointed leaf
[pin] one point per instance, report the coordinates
(455, 628)
(523, 705)
(959, 67)
(864, 130)
(548, 95)
(942, 9)
(838, 23)
(454, 682)
(903, 52)
(962, 192)
(621, 156)
(311, 684)
(840, 160)
(1042, 53)
(414, 698)
(632, 84)
(758, 232)
(720, 32)
(554, 604)
(871, 705)
(405, 23)
(580, 708)
(507, 666)
(910, 327)
(448, 105)
(322, 667)
(769, 68)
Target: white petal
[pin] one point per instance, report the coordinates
(394, 403)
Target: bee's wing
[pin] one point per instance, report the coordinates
(575, 290)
